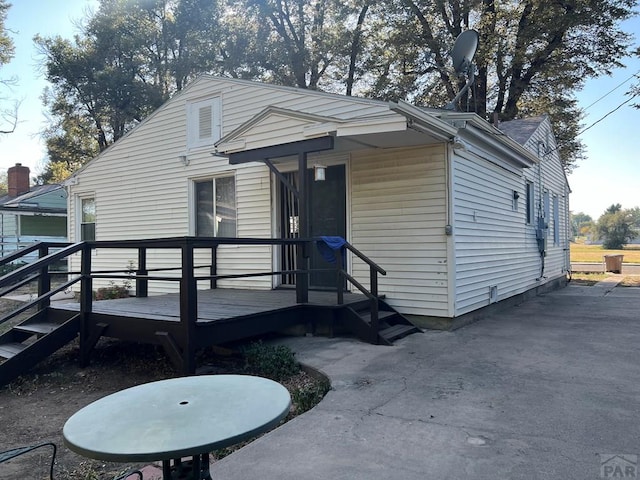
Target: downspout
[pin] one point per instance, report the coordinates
(448, 228)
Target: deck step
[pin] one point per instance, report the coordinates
(382, 315)
(397, 331)
(41, 328)
(9, 350)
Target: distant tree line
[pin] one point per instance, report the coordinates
(132, 55)
(615, 227)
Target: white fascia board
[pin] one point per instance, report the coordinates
(501, 144)
(366, 126)
(490, 135)
(319, 129)
(428, 123)
(237, 145)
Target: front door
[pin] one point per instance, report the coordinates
(328, 200)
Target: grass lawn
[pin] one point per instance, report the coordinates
(594, 253)
(583, 278)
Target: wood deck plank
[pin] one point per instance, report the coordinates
(213, 305)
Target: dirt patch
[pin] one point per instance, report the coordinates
(34, 408)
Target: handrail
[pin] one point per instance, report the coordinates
(366, 259)
(36, 300)
(372, 294)
(40, 263)
(18, 254)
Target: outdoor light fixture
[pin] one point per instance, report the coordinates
(319, 172)
(183, 159)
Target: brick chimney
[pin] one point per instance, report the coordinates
(17, 180)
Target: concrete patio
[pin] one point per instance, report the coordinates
(549, 389)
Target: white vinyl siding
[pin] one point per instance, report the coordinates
(489, 234)
(143, 190)
(495, 245)
(398, 200)
(553, 179)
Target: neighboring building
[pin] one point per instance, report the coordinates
(458, 213)
(30, 214)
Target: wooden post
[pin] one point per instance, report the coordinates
(142, 284)
(339, 279)
(188, 309)
(375, 319)
(44, 279)
(302, 253)
(214, 267)
(86, 304)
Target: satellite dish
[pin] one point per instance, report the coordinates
(463, 50)
(462, 55)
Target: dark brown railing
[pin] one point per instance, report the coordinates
(371, 293)
(40, 271)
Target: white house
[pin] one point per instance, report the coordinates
(459, 213)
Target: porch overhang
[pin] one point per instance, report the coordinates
(282, 131)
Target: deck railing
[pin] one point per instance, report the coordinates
(142, 274)
(371, 293)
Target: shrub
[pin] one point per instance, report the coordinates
(308, 396)
(111, 292)
(274, 362)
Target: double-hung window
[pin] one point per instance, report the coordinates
(87, 219)
(530, 201)
(215, 207)
(556, 221)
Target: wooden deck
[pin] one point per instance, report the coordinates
(213, 305)
(223, 316)
(191, 319)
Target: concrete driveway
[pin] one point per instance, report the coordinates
(546, 390)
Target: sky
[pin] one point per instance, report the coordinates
(609, 174)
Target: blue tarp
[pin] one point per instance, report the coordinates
(327, 246)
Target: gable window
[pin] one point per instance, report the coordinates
(203, 122)
(215, 207)
(530, 200)
(87, 219)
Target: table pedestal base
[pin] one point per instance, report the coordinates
(195, 469)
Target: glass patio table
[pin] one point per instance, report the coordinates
(176, 418)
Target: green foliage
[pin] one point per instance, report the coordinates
(579, 221)
(616, 227)
(276, 362)
(134, 54)
(308, 396)
(7, 48)
(114, 290)
(9, 111)
(111, 292)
